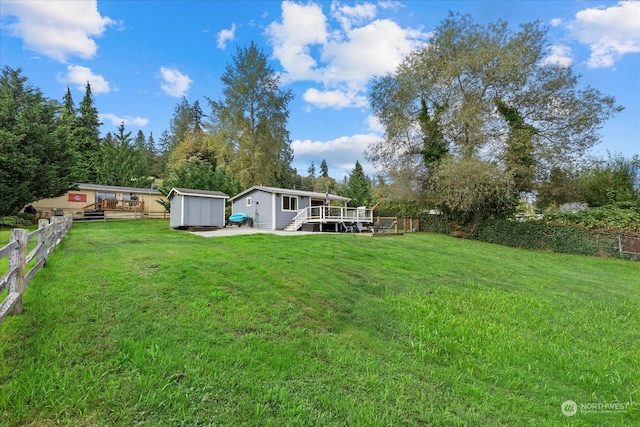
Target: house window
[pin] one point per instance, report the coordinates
(248, 201)
(289, 203)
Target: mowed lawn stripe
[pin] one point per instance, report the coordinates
(134, 323)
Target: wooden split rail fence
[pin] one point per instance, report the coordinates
(17, 277)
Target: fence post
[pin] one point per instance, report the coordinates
(17, 260)
(43, 250)
(620, 243)
(57, 228)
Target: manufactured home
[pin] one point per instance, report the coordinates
(272, 208)
(100, 201)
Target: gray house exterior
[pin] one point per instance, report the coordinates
(196, 208)
(273, 208)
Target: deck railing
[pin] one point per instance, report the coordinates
(324, 214)
(116, 205)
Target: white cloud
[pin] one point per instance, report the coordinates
(355, 144)
(343, 59)
(79, 76)
(556, 22)
(127, 120)
(374, 49)
(57, 29)
(353, 15)
(334, 98)
(225, 36)
(302, 27)
(609, 32)
(174, 83)
(340, 153)
(374, 124)
(560, 54)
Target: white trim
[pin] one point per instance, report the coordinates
(273, 210)
(272, 190)
(282, 196)
(182, 220)
(248, 201)
(224, 219)
(207, 195)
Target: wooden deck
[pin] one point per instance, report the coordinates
(336, 215)
(116, 205)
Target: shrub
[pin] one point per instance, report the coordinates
(608, 217)
(539, 235)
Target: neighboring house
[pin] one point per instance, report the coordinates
(197, 208)
(279, 208)
(114, 201)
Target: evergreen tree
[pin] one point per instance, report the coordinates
(181, 124)
(197, 118)
(165, 151)
(36, 153)
(87, 134)
(67, 117)
(324, 169)
(357, 187)
(312, 170)
(154, 159)
(68, 108)
(140, 141)
(121, 162)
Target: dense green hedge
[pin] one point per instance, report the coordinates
(549, 237)
(536, 235)
(436, 224)
(603, 217)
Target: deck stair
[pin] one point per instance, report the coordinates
(92, 215)
(344, 216)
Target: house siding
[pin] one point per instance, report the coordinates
(259, 211)
(152, 209)
(266, 205)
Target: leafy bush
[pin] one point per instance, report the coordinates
(608, 217)
(539, 235)
(435, 224)
(567, 237)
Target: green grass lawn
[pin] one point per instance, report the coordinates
(133, 323)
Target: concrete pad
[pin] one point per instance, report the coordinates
(240, 231)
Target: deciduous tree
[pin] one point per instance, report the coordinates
(488, 92)
(468, 189)
(252, 119)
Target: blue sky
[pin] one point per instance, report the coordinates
(142, 57)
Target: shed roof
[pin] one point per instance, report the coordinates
(311, 194)
(197, 193)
